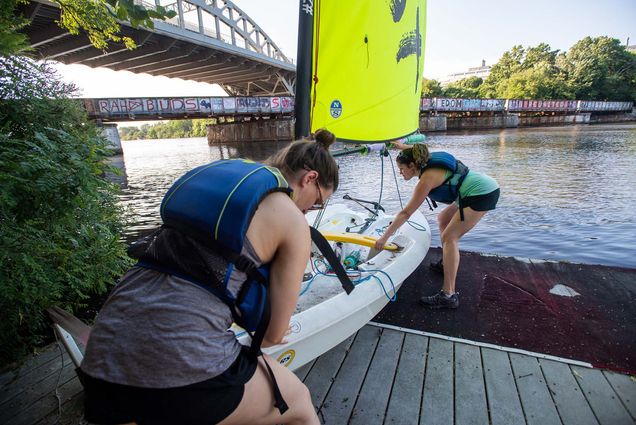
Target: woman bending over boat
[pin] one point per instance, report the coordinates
(444, 179)
(234, 241)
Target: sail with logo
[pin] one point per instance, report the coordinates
(359, 75)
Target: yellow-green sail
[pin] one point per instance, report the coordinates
(367, 68)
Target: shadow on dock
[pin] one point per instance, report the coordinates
(507, 301)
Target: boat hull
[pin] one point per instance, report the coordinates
(326, 315)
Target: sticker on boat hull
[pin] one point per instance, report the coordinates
(294, 327)
(286, 358)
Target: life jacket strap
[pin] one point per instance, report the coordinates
(255, 352)
(326, 250)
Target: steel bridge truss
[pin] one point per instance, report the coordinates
(210, 41)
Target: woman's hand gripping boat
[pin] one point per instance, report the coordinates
(325, 314)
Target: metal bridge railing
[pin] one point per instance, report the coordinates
(221, 20)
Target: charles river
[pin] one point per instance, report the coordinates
(567, 193)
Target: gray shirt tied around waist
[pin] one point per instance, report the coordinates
(160, 331)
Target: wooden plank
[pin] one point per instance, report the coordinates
(23, 381)
(47, 405)
(533, 391)
(605, 403)
(625, 387)
(404, 404)
(302, 371)
(503, 398)
(342, 396)
(48, 354)
(438, 395)
(324, 371)
(72, 413)
(470, 391)
(18, 405)
(376, 388)
(566, 393)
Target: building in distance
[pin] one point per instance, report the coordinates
(479, 71)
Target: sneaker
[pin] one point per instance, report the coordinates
(441, 300)
(437, 267)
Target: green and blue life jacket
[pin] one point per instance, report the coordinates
(448, 191)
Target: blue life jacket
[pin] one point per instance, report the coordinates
(214, 204)
(206, 214)
(448, 191)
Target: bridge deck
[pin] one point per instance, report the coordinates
(387, 375)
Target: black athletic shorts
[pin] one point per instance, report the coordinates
(206, 402)
(485, 202)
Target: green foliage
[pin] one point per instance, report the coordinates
(593, 69)
(431, 88)
(600, 69)
(167, 130)
(11, 41)
(99, 19)
(526, 74)
(59, 219)
(467, 88)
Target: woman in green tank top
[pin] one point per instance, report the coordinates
(470, 196)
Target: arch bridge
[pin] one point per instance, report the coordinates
(210, 41)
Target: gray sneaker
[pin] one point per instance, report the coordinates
(441, 300)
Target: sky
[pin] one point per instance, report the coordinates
(459, 34)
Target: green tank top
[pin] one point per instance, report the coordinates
(475, 184)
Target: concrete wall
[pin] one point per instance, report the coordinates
(433, 123)
(622, 117)
(534, 121)
(260, 130)
(110, 132)
(496, 121)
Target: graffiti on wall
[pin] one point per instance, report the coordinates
(188, 105)
(440, 104)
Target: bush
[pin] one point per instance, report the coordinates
(59, 219)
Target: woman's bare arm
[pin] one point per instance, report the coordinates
(282, 233)
(429, 180)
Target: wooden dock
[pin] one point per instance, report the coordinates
(387, 375)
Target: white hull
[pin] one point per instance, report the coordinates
(325, 314)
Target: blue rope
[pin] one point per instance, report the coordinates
(356, 282)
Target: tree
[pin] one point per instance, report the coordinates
(467, 88)
(599, 69)
(509, 64)
(60, 222)
(11, 40)
(99, 18)
(431, 88)
(530, 73)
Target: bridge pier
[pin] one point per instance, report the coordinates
(251, 131)
(110, 132)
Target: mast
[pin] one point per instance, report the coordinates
(303, 68)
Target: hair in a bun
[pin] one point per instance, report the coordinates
(418, 154)
(312, 154)
(324, 138)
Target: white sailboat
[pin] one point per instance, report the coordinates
(359, 75)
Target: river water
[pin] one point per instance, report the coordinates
(568, 193)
